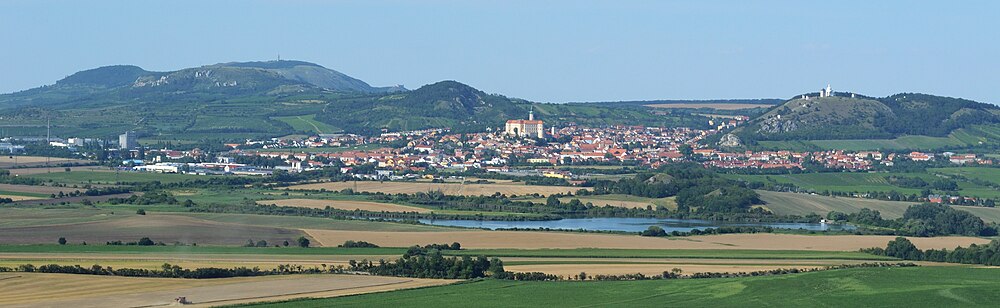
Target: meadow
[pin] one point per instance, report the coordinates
(95, 177)
(785, 203)
(928, 286)
(847, 182)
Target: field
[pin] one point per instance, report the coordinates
(29, 171)
(159, 227)
(96, 177)
(345, 205)
(880, 287)
(308, 123)
(8, 161)
(783, 203)
(626, 201)
(866, 182)
(569, 240)
(446, 188)
(720, 106)
(35, 190)
(53, 290)
(964, 137)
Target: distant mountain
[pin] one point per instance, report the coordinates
(127, 83)
(239, 100)
(316, 75)
(443, 104)
(846, 116)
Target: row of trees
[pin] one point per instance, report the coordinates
(926, 219)
(902, 248)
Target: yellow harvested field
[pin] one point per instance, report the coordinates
(720, 106)
(345, 205)
(67, 290)
(446, 188)
(19, 198)
(567, 240)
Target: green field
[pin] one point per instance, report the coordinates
(864, 287)
(965, 137)
(861, 182)
(91, 177)
(784, 203)
(980, 173)
(308, 123)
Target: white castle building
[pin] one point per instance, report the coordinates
(525, 128)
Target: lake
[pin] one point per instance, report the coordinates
(627, 224)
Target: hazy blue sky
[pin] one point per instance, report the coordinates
(550, 51)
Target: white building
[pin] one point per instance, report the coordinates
(828, 92)
(525, 128)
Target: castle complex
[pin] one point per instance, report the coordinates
(525, 128)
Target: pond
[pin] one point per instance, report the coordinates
(627, 224)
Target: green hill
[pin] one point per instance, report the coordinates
(234, 101)
(901, 121)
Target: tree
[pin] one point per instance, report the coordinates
(285, 244)
(62, 241)
(552, 200)
(582, 276)
(188, 203)
(140, 212)
(303, 242)
(261, 243)
(686, 150)
(145, 242)
(654, 231)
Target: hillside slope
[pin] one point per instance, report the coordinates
(859, 117)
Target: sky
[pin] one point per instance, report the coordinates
(545, 51)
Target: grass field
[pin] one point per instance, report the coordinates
(783, 203)
(346, 205)
(159, 227)
(95, 177)
(308, 123)
(985, 174)
(627, 201)
(447, 188)
(879, 287)
(8, 161)
(865, 182)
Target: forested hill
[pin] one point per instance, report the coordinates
(445, 104)
(859, 117)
